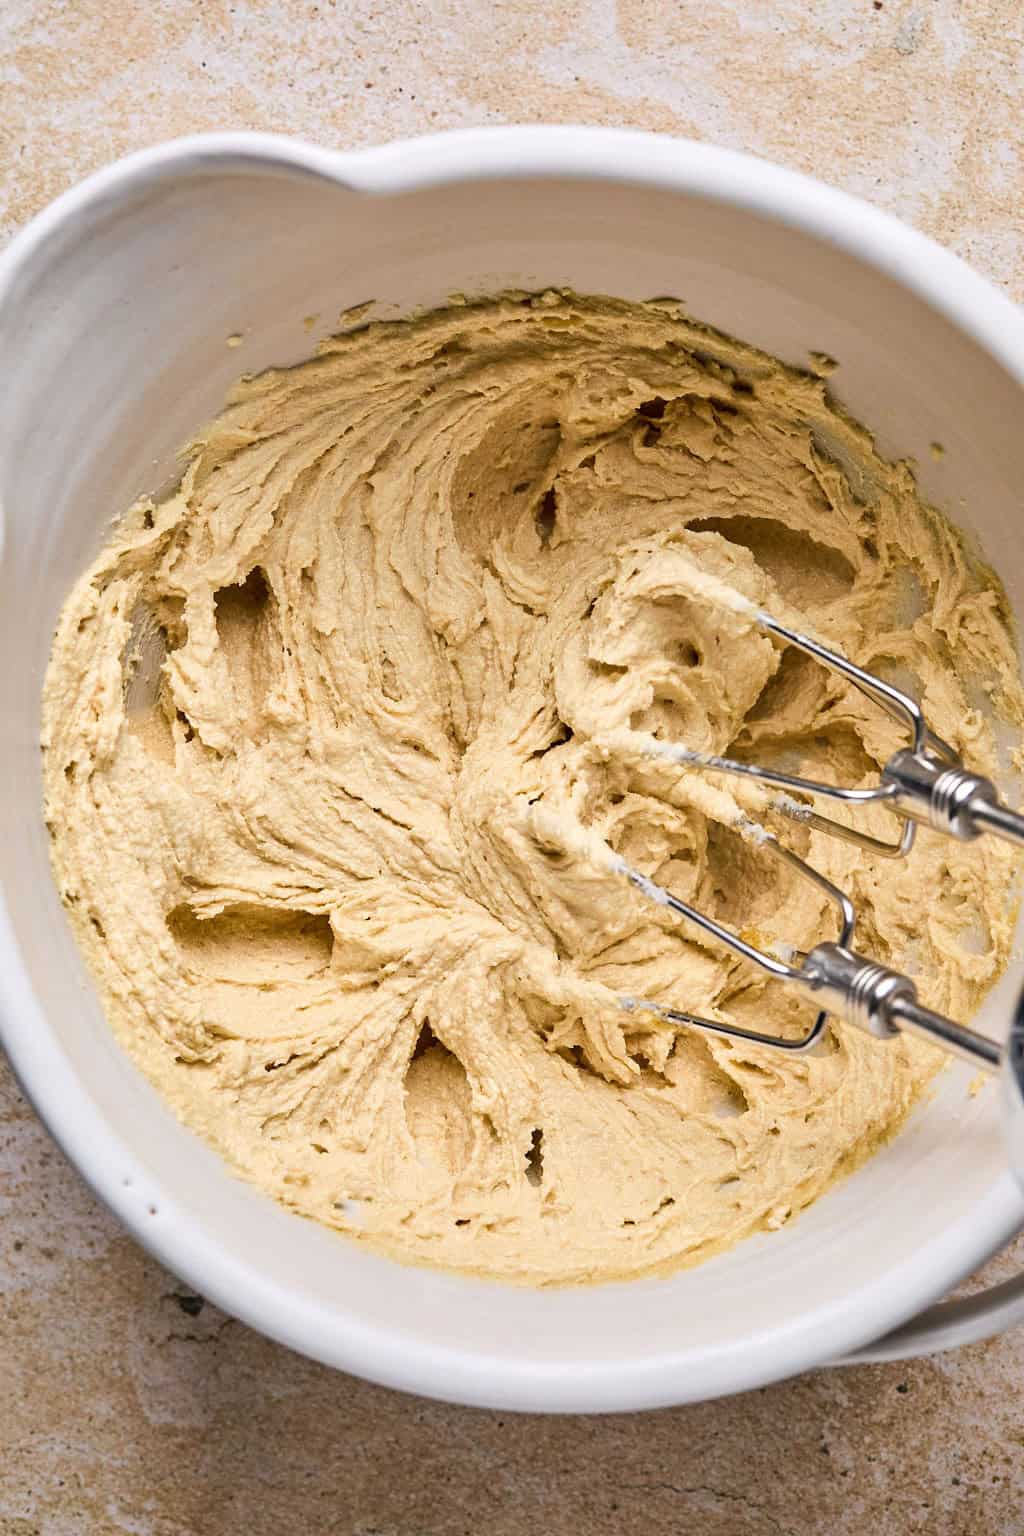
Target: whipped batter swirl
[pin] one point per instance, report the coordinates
(412, 600)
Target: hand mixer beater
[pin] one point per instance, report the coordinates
(924, 783)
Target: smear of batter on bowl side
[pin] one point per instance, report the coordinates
(405, 592)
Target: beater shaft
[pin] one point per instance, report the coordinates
(949, 798)
(884, 1002)
(907, 1013)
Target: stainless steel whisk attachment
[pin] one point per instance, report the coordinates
(924, 783)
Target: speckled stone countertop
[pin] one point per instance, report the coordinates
(129, 1405)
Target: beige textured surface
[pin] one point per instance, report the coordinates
(129, 1407)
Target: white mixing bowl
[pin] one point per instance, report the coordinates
(115, 307)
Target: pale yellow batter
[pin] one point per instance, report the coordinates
(417, 598)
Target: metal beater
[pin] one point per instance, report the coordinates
(924, 783)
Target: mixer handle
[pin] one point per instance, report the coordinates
(1013, 1093)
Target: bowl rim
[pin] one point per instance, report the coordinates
(175, 1235)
